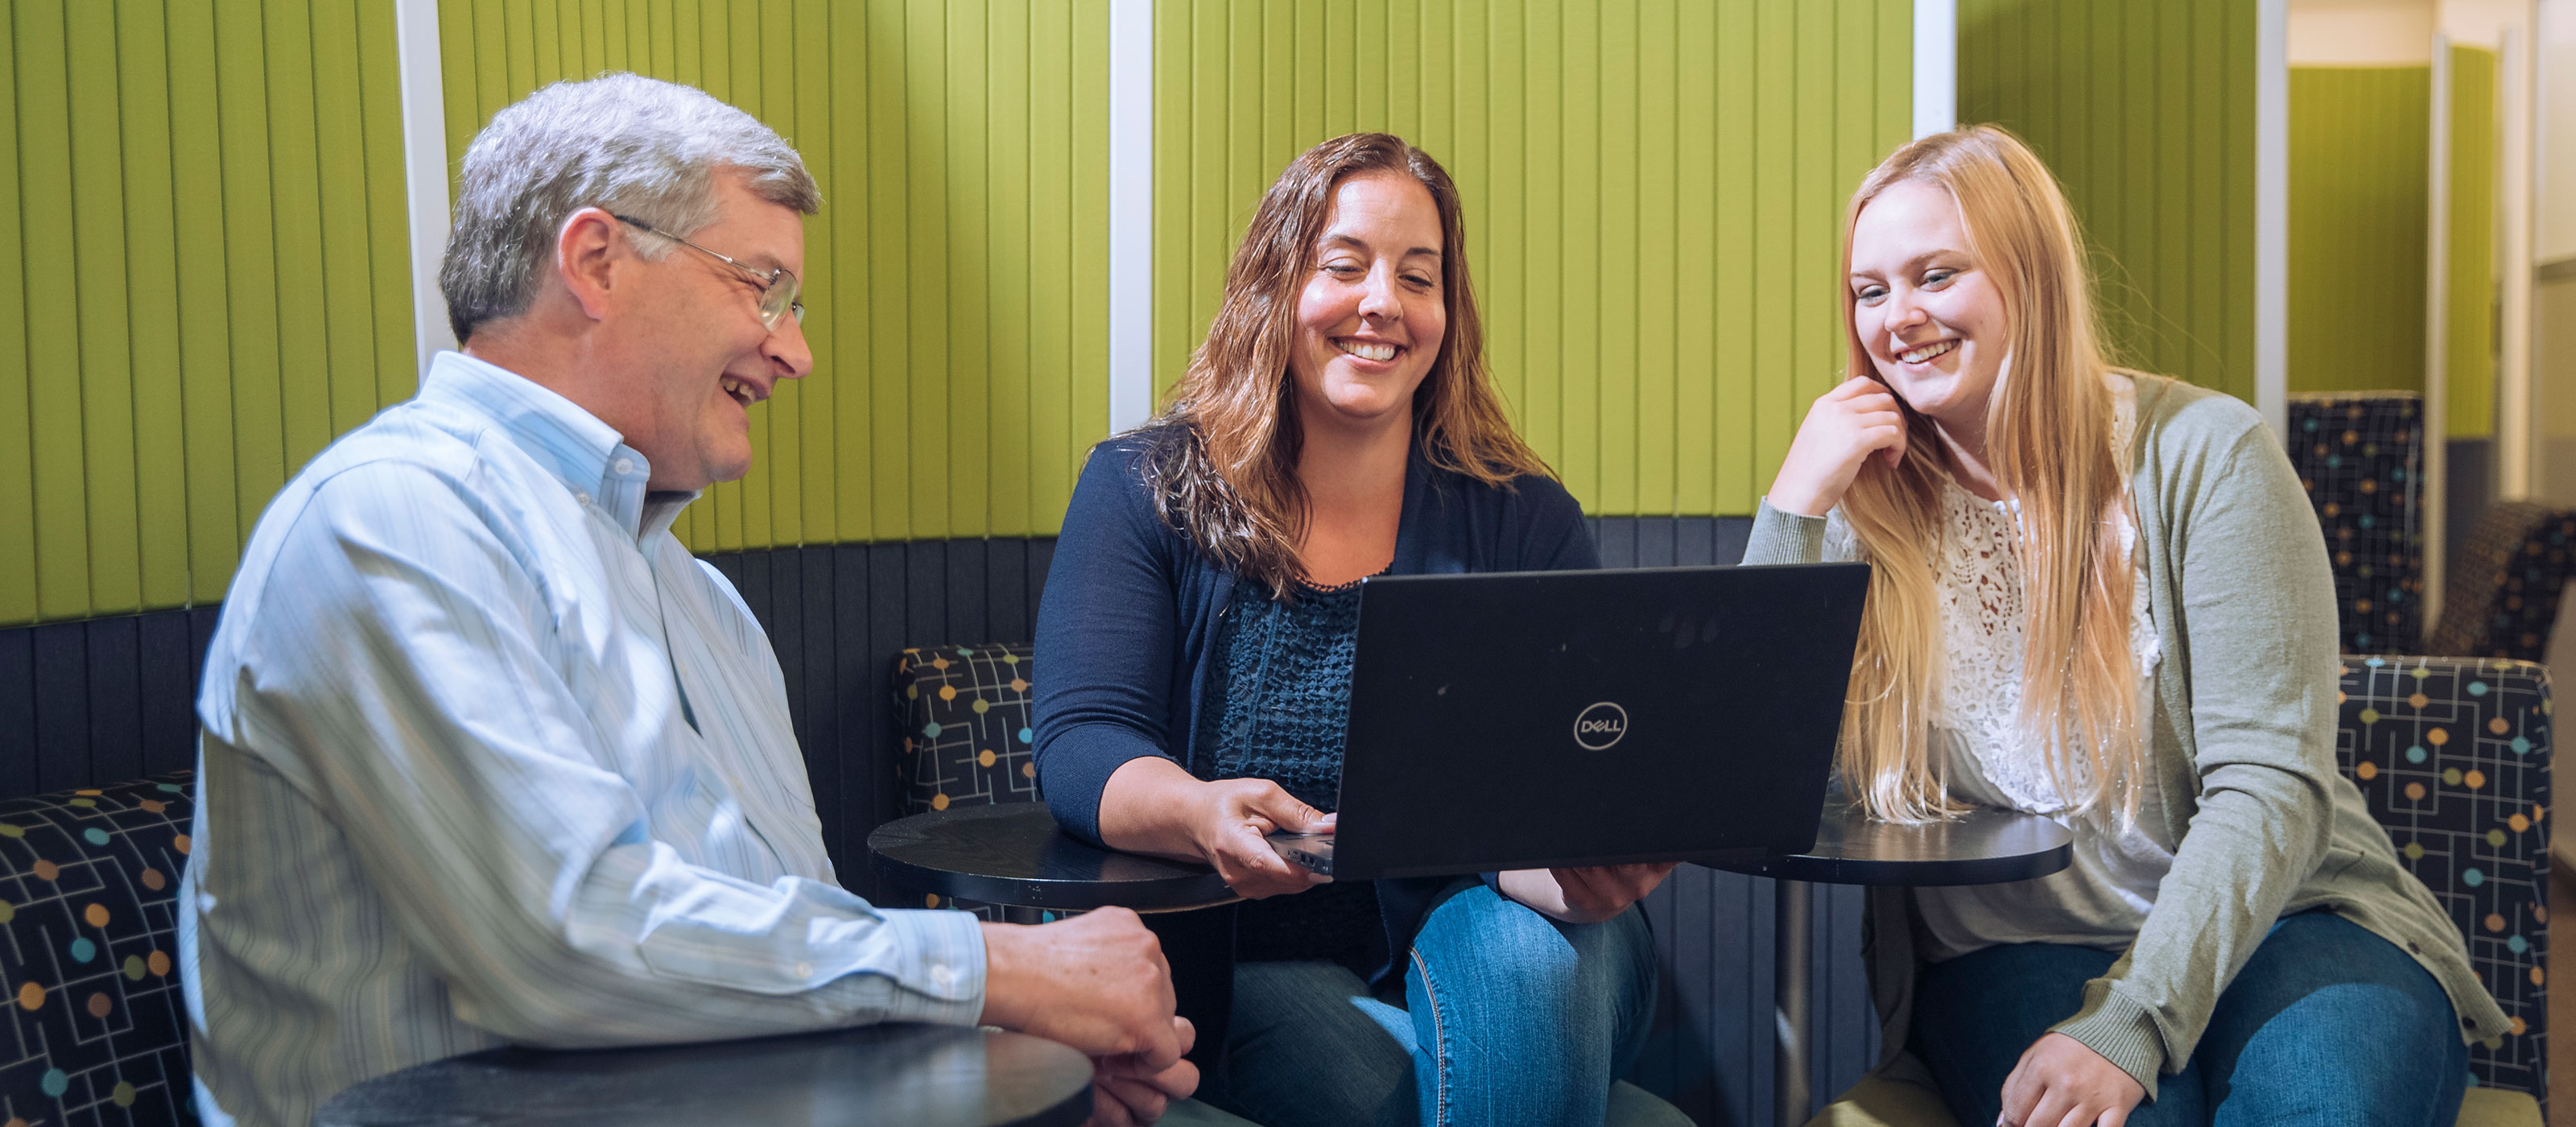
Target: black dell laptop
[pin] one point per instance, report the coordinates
(1526, 720)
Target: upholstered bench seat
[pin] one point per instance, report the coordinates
(2452, 757)
(96, 1033)
(1893, 1103)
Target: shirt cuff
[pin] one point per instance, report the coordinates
(938, 971)
(2123, 1031)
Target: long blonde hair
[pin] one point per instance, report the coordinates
(2049, 428)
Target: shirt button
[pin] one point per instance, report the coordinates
(942, 975)
(804, 970)
(584, 498)
(625, 465)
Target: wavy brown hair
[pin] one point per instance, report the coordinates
(1222, 455)
(2049, 426)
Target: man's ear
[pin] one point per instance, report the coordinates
(588, 251)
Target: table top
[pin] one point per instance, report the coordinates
(932, 1075)
(1983, 846)
(1013, 854)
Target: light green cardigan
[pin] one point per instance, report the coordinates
(2241, 749)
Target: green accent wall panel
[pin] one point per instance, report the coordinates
(957, 276)
(207, 275)
(1653, 190)
(2359, 152)
(2146, 114)
(2470, 325)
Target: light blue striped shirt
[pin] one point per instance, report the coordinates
(489, 757)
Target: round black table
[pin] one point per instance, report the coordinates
(1983, 846)
(1013, 855)
(927, 1075)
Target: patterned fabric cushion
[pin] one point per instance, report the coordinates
(2452, 756)
(2502, 599)
(966, 734)
(2357, 456)
(89, 884)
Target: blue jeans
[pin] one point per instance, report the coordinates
(2327, 1024)
(1509, 1017)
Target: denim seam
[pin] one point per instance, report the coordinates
(1439, 1042)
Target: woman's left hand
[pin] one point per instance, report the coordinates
(2062, 1082)
(1583, 896)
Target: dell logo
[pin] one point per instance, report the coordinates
(1600, 726)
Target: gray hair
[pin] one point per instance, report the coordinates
(632, 145)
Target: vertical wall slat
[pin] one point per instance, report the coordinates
(105, 378)
(295, 248)
(152, 305)
(18, 570)
(816, 469)
(845, 72)
(250, 259)
(115, 698)
(168, 707)
(214, 527)
(47, 256)
(18, 747)
(62, 741)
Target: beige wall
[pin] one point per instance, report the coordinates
(2374, 33)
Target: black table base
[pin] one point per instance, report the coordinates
(1982, 846)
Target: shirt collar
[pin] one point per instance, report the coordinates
(587, 455)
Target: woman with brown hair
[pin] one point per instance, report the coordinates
(2100, 596)
(1198, 627)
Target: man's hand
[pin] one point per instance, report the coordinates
(2062, 1082)
(1583, 896)
(1096, 982)
(1127, 1093)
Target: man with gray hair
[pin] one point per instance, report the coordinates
(488, 757)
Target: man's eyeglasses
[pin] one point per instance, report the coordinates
(778, 288)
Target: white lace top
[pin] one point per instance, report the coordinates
(1977, 745)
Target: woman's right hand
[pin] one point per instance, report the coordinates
(1848, 424)
(1231, 828)
(1151, 805)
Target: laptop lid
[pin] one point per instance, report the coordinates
(1540, 719)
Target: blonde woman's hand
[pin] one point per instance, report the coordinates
(2062, 1082)
(1846, 425)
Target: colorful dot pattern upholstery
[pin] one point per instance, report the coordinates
(966, 729)
(2452, 756)
(2502, 598)
(2358, 458)
(95, 1029)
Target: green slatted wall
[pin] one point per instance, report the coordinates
(202, 280)
(958, 272)
(2146, 112)
(2359, 143)
(2470, 336)
(1653, 190)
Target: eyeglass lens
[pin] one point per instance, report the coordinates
(779, 300)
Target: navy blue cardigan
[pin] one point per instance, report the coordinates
(1127, 630)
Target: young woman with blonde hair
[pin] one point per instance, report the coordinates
(2099, 596)
(1197, 636)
